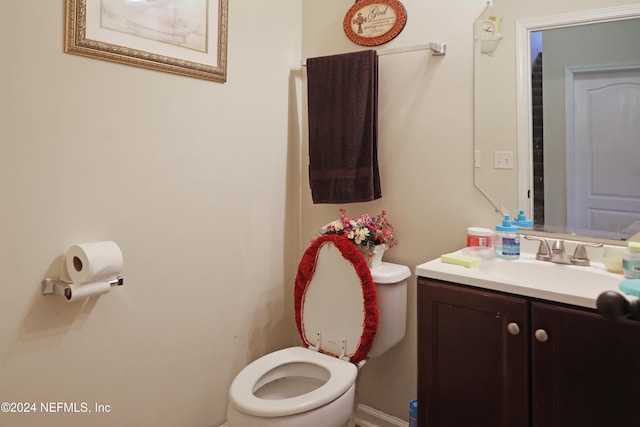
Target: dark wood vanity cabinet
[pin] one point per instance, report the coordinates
(588, 371)
(471, 370)
(498, 360)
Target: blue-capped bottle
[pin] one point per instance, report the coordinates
(522, 221)
(413, 413)
(507, 239)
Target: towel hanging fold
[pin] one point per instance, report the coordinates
(343, 127)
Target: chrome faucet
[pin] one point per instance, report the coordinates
(557, 253)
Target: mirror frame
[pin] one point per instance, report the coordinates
(524, 120)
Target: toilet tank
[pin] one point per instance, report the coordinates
(391, 288)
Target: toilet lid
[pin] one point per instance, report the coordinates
(335, 299)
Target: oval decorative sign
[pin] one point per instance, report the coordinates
(374, 22)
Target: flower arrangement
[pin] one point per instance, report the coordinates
(364, 231)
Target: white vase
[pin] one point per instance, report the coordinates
(373, 254)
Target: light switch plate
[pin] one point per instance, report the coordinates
(503, 159)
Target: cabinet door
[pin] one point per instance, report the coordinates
(586, 373)
(472, 357)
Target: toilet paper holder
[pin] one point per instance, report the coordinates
(52, 285)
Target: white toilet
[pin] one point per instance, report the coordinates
(345, 313)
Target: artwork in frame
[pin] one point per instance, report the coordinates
(186, 37)
(374, 22)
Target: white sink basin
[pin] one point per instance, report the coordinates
(577, 285)
(531, 272)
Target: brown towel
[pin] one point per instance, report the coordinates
(343, 127)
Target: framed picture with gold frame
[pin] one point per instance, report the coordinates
(187, 37)
(374, 22)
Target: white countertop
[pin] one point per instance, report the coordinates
(568, 291)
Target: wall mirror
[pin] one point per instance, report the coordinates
(571, 126)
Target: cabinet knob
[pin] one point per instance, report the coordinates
(541, 335)
(513, 328)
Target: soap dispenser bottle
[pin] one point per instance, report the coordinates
(522, 221)
(507, 239)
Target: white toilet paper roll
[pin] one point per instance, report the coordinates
(75, 292)
(94, 262)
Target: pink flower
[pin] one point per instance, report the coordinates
(363, 230)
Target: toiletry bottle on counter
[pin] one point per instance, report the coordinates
(479, 237)
(522, 221)
(631, 260)
(507, 239)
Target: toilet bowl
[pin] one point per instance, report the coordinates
(341, 318)
(293, 387)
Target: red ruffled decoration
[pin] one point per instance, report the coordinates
(350, 252)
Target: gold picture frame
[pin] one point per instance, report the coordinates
(188, 38)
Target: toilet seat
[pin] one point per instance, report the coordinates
(335, 298)
(342, 376)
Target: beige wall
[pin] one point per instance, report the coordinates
(188, 176)
(426, 159)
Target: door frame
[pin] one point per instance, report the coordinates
(571, 73)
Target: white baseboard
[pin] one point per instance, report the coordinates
(369, 417)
